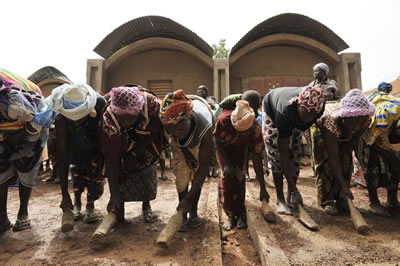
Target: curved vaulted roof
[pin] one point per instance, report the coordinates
(148, 27)
(294, 24)
(47, 73)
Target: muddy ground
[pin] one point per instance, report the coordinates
(133, 243)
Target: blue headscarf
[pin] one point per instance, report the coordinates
(384, 85)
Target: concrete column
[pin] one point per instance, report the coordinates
(350, 72)
(216, 84)
(221, 90)
(227, 85)
(95, 75)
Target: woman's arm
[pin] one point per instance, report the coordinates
(228, 167)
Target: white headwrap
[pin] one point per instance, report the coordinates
(243, 116)
(79, 93)
(322, 66)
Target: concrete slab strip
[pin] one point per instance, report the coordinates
(213, 218)
(267, 246)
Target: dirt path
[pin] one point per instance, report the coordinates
(337, 243)
(133, 243)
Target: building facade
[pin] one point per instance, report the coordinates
(163, 56)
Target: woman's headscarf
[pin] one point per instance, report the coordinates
(354, 103)
(20, 100)
(324, 67)
(175, 107)
(243, 116)
(74, 101)
(310, 98)
(126, 100)
(384, 85)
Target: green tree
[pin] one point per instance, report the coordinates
(220, 50)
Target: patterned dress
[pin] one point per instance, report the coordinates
(376, 168)
(20, 161)
(236, 144)
(83, 142)
(328, 188)
(139, 148)
(185, 162)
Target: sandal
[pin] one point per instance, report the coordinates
(21, 224)
(6, 227)
(149, 217)
(242, 222)
(331, 209)
(90, 216)
(232, 221)
(191, 224)
(49, 179)
(196, 222)
(163, 177)
(185, 226)
(77, 213)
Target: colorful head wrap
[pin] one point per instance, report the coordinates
(324, 67)
(175, 107)
(9, 79)
(126, 100)
(74, 101)
(354, 103)
(310, 98)
(384, 85)
(243, 116)
(21, 97)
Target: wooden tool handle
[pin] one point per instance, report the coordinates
(174, 223)
(307, 220)
(106, 225)
(267, 212)
(358, 221)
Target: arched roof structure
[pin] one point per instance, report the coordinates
(48, 73)
(149, 27)
(292, 23)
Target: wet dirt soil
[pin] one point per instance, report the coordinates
(133, 242)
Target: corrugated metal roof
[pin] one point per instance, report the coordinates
(46, 73)
(148, 27)
(294, 24)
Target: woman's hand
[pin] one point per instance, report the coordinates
(347, 192)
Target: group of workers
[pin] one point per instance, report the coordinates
(121, 136)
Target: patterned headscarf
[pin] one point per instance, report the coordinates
(354, 103)
(324, 67)
(384, 85)
(310, 98)
(175, 107)
(126, 101)
(10, 79)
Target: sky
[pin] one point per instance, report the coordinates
(63, 33)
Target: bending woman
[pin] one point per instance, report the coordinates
(333, 137)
